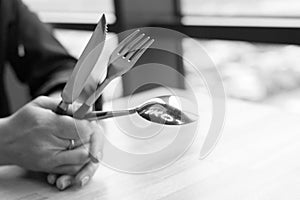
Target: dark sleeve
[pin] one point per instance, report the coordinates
(38, 59)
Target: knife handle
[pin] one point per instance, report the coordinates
(62, 108)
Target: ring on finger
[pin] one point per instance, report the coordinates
(71, 145)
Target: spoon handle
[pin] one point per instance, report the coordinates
(107, 114)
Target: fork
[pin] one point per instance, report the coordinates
(122, 59)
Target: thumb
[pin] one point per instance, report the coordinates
(46, 102)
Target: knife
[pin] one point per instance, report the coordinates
(84, 66)
(83, 69)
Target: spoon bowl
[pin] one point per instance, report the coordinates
(169, 110)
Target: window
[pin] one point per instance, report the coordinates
(246, 40)
(253, 43)
(284, 13)
(251, 71)
(75, 11)
(78, 12)
(263, 8)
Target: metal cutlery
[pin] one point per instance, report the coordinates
(159, 110)
(121, 61)
(84, 66)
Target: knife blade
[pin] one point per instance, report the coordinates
(85, 64)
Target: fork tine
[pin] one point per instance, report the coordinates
(136, 47)
(133, 43)
(126, 41)
(139, 52)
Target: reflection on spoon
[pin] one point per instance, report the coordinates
(163, 114)
(159, 110)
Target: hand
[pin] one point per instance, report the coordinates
(85, 174)
(37, 139)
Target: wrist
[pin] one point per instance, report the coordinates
(5, 135)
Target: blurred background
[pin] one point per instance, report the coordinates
(254, 43)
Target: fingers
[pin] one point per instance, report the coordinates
(66, 126)
(67, 169)
(96, 142)
(64, 181)
(61, 182)
(78, 156)
(77, 143)
(94, 149)
(46, 102)
(51, 178)
(96, 145)
(70, 128)
(82, 178)
(93, 133)
(73, 158)
(86, 173)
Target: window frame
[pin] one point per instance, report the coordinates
(240, 32)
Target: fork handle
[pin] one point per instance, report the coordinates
(91, 100)
(80, 113)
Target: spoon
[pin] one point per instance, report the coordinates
(162, 110)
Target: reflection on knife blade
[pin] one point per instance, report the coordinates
(85, 64)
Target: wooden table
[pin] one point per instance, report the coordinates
(258, 157)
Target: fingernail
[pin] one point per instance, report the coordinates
(84, 181)
(60, 185)
(51, 179)
(99, 156)
(93, 158)
(67, 183)
(63, 184)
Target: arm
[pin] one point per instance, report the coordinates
(4, 133)
(38, 59)
(37, 139)
(40, 144)
(85, 174)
